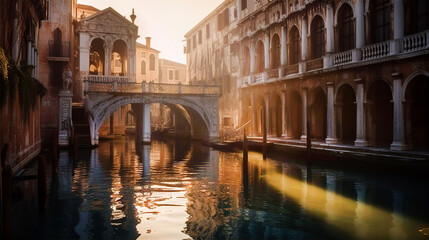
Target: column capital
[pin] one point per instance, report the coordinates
(359, 81)
(330, 84)
(396, 76)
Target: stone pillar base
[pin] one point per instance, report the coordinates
(65, 116)
(331, 140)
(398, 146)
(304, 138)
(361, 143)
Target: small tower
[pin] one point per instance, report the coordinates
(133, 16)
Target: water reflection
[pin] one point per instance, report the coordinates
(182, 190)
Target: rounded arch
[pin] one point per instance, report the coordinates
(410, 78)
(294, 114)
(340, 5)
(345, 34)
(345, 113)
(275, 115)
(119, 57)
(275, 51)
(294, 45)
(318, 113)
(341, 84)
(97, 57)
(375, 81)
(379, 113)
(260, 56)
(143, 67)
(152, 62)
(317, 37)
(416, 111)
(315, 16)
(246, 61)
(203, 119)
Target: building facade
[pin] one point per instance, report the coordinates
(147, 64)
(172, 72)
(21, 88)
(356, 70)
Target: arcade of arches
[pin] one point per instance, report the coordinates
(113, 62)
(378, 113)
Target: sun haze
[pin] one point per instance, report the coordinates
(165, 21)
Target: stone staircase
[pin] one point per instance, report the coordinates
(81, 127)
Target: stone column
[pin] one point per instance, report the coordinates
(107, 60)
(398, 19)
(267, 51)
(329, 29)
(360, 115)
(304, 40)
(398, 116)
(330, 135)
(238, 9)
(360, 24)
(284, 47)
(252, 57)
(84, 53)
(304, 114)
(65, 105)
(284, 124)
(146, 123)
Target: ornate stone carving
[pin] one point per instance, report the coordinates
(67, 80)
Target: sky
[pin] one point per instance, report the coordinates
(165, 21)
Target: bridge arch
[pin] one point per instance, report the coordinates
(202, 111)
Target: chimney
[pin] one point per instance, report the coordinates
(148, 42)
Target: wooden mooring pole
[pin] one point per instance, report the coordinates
(245, 167)
(6, 188)
(41, 182)
(264, 133)
(309, 173)
(54, 154)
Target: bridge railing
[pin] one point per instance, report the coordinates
(95, 85)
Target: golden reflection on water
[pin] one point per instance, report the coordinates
(355, 218)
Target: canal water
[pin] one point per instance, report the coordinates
(183, 190)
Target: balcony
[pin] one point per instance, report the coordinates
(291, 69)
(59, 52)
(272, 74)
(107, 79)
(315, 64)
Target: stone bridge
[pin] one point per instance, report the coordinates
(197, 104)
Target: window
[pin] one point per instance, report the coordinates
(346, 36)
(152, 62)
(176, 75)
(317, 37)
(243, 4)
(208, 31)
(194, 41)
(381, 20)
(294, 48)
(223, 19)
(143, 54)
(417, 16)
(170, 74)
(143, 68)
(48, 3)
(200, 37)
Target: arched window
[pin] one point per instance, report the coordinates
(275, 52)
(380, 18)
(152, 62)
(294, 46)
(417, 16)
(246, 62)
(143, 68)
(317, 37)
(346, 34)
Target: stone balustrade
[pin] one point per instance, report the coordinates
(415, 42)
(375, 51)
(315, 64)
(102, 78)
(342, 58)
(144, 87)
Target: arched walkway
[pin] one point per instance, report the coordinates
(346, 114)
(379, 114)
(317, 116)
(275, 116)
(294, 115)
(417, 112)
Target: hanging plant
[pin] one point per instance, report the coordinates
(3, 77)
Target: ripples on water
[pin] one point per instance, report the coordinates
(179, 190)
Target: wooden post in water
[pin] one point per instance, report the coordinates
(7, 200)
(3, 218)
(245, 167)
(41, 182)
(75, 151)
(309, 173)
(264, 134)
(54, 154)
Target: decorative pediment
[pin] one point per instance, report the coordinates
(107, 21)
